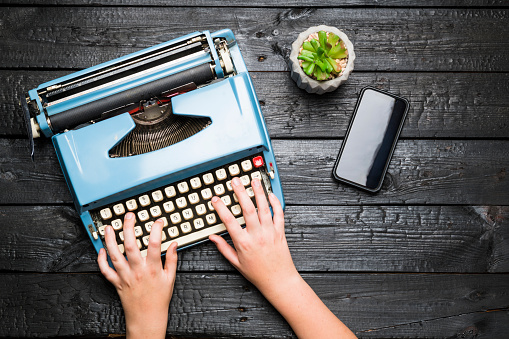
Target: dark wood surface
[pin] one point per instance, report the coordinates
(428, 256)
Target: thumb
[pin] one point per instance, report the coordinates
(225, 249)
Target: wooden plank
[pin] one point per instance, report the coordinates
(267, 3)
(443, 105)
(389, 39)
(437, 172)
(226, 305)
(472, 239)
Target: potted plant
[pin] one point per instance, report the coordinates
(321, 59)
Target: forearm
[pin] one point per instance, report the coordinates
(304, 311)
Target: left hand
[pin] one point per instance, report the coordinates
(144, 286)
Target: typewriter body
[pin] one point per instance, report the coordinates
(157, 132)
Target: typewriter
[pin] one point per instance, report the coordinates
(158, 132)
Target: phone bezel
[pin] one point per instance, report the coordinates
(394, 142)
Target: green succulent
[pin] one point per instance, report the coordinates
(319, 56)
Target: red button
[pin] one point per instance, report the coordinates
(258, 161)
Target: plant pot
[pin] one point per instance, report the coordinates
(306, 82)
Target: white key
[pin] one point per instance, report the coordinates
(236, 210)
(168, 207)
(187, 213)
(234, 170)
(106, 213)
(165, 221)
(256, 175)
(219, 189)
(116, 224)
(246, 165)
(186, 227)
(119, 209)
(138, 242)
(245, 180)
(173, 232)
(170, 191)
(145, 240)
(235, 198)
(143, 215)
(101, 229)
(144, 200)
(183, 187)
(131, 204)
(250, 192)
(227, 200)
(155, 211)
(221, 174)
(148, 226)
(157, 196)
(206, 193)
(210, 205)
(138, 231)
(201, 209)
(211, 218)
(195, 182)
(229, 185)
(181, 202)
(198, 223)
(121, 248)
(175, 218)
(193, 198)
(163, 236)
(208, 178)
(121, 235)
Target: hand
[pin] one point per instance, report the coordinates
(144, 286)
(261, 252)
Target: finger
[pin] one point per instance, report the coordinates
(170, 266)
(261, 203)
(248, 208)
(154, 243)
(277, 209)
(225, 249)
(117, 258)
(108, 272)
(232, 226)
(131, 248)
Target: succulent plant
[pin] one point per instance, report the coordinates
(320, 57)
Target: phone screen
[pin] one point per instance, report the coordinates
(371, 138)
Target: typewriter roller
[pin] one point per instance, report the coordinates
(157, 132)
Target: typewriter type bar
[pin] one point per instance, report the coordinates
(157, 132)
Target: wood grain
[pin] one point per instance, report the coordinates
(473, 239)
(388, 39)
(442, 105)
(443, 172)
(266, 3)
(227, 306)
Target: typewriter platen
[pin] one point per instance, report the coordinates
(157, 132)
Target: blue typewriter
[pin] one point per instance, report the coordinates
(158, 132)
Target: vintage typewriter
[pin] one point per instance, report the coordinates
(158, 132)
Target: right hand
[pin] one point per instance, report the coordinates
(261, 252)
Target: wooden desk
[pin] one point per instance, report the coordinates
(426, 257)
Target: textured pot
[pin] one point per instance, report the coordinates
(306, 82)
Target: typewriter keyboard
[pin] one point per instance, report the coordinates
(184, 206)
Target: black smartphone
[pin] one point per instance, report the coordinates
(370, 139)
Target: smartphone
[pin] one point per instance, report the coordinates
(370, 139)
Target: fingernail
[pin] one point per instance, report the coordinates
(235, 181)
(174, 249)
(215, 199)
(256, 183)
(129, 215)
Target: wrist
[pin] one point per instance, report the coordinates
(282, 287)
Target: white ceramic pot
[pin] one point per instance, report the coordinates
(306, 82)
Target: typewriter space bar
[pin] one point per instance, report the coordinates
(195, 236)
